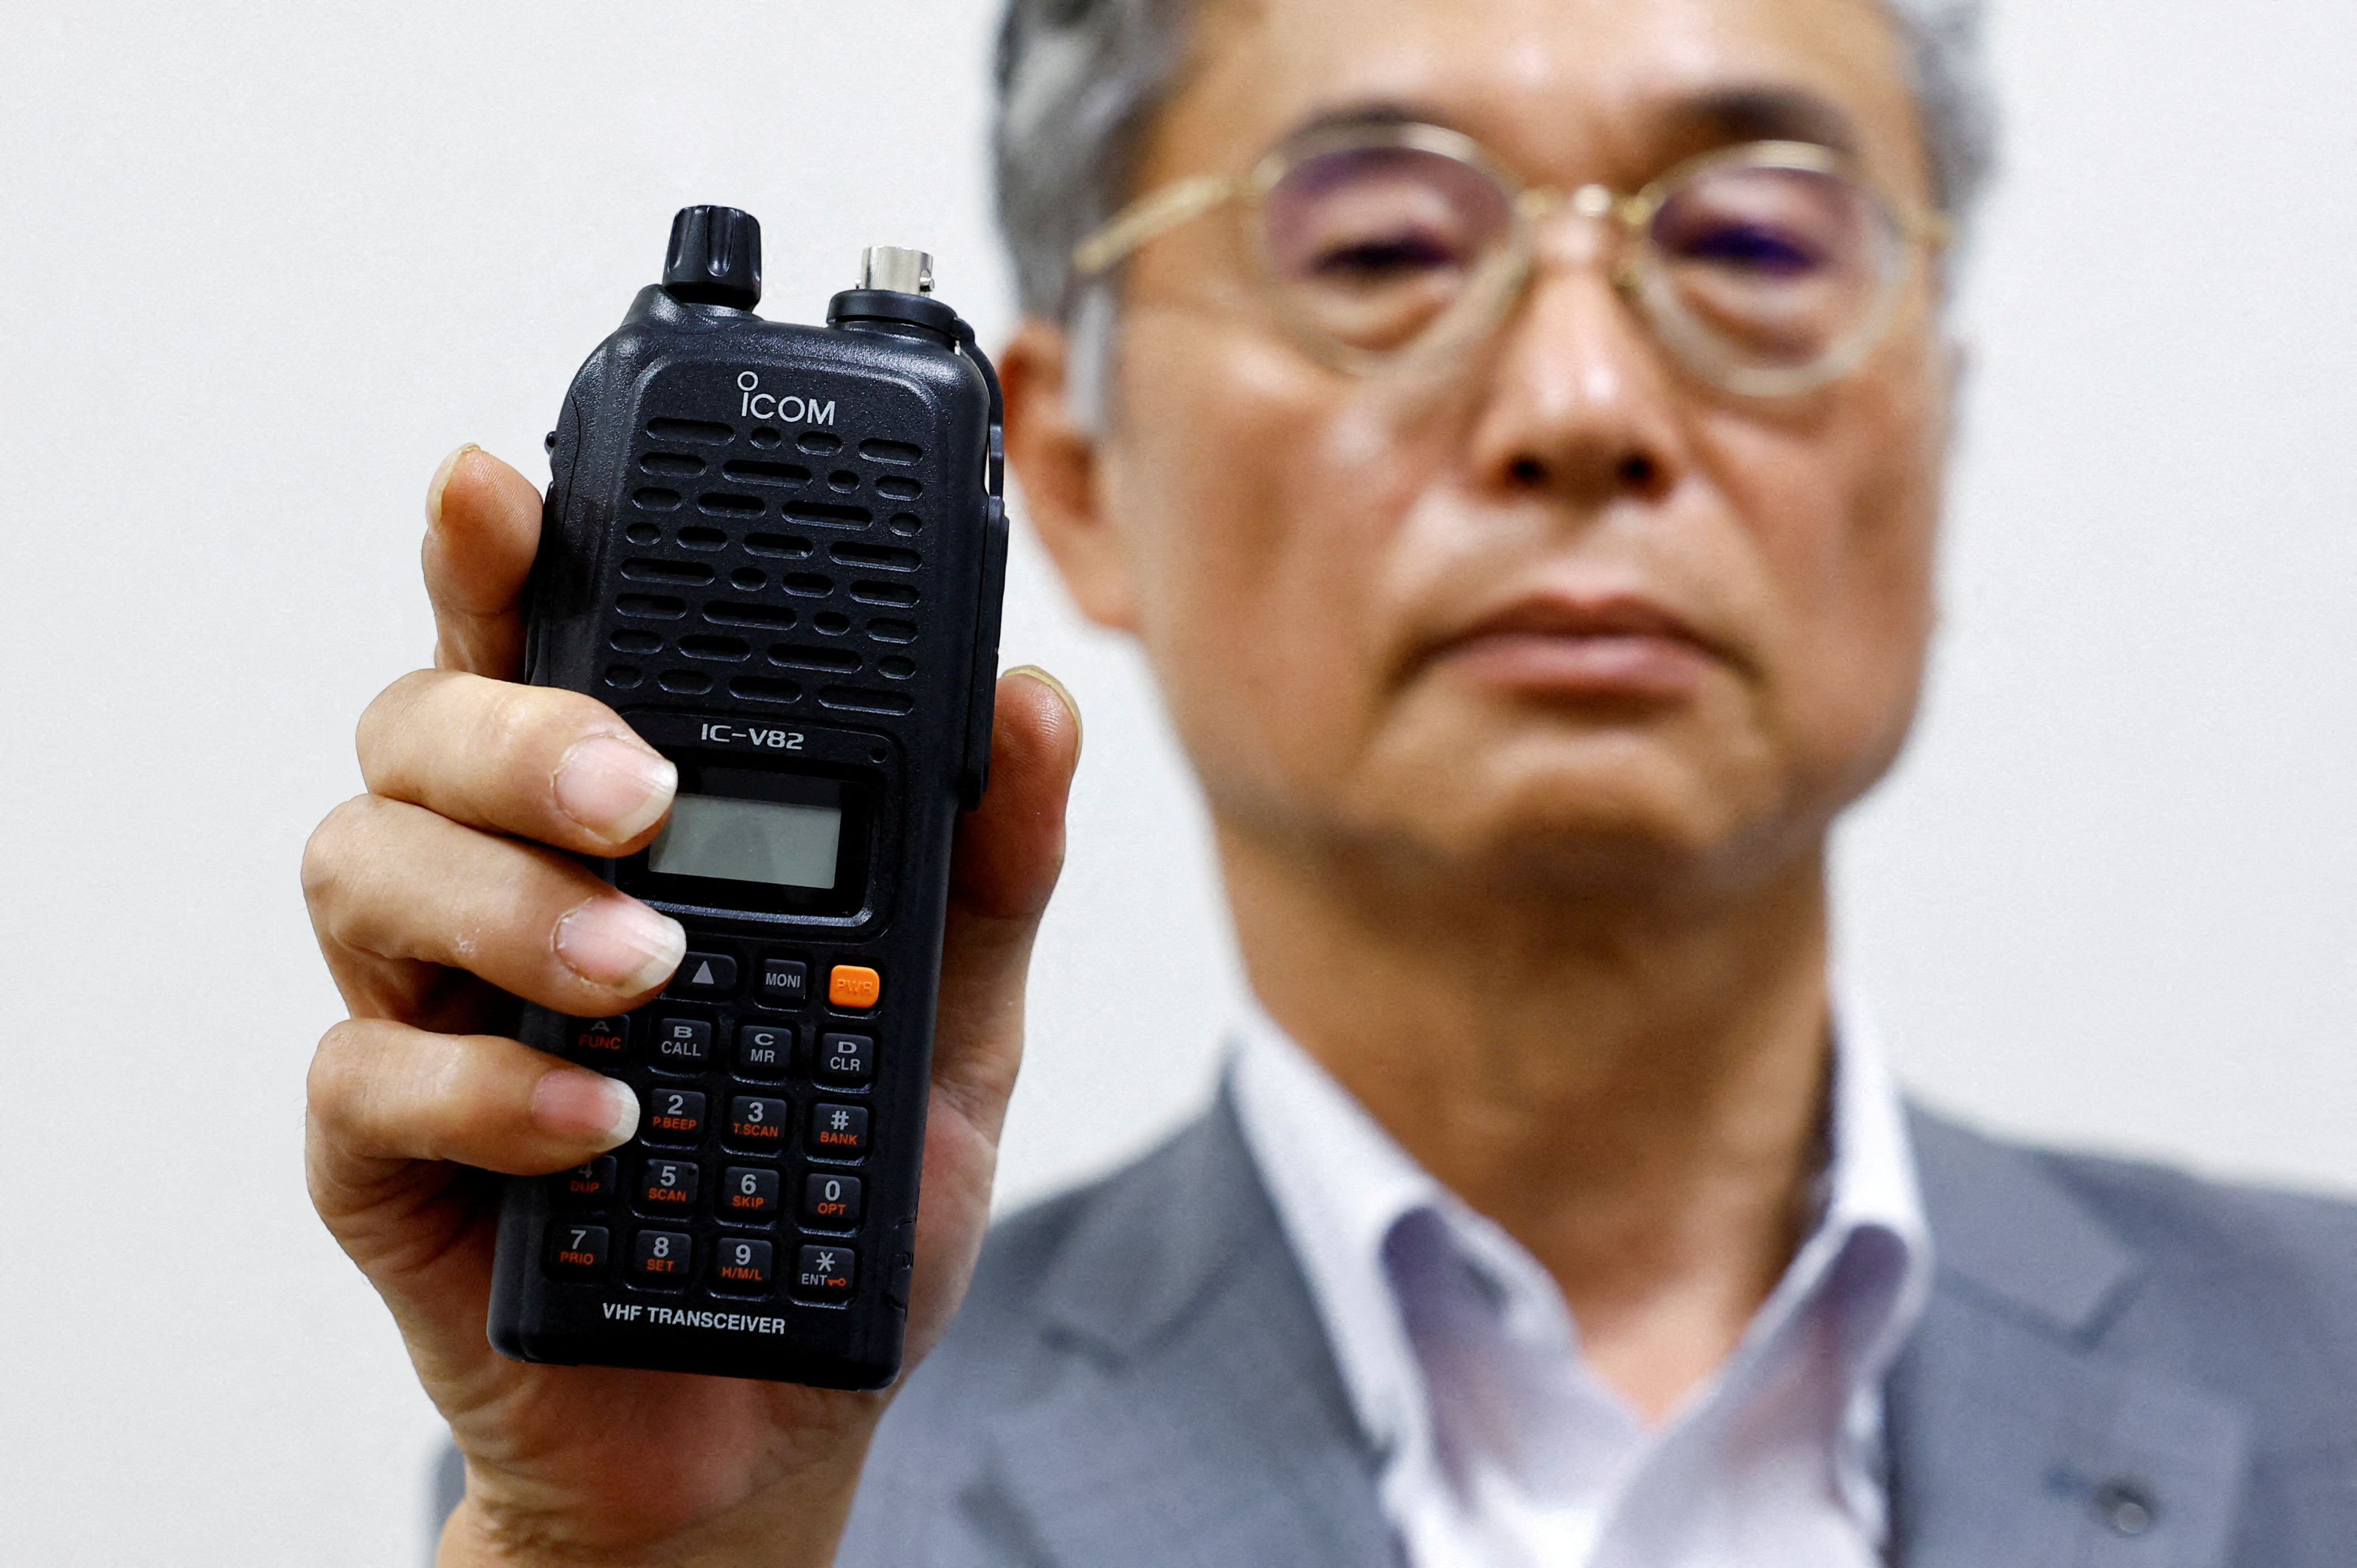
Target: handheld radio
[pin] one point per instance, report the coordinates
(779, 553)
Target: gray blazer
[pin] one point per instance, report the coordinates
(2120, 1368)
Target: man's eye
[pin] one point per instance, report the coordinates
(1382, 258)
(1750, 247)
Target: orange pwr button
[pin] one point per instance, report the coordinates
(852, 985)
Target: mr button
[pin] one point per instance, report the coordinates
(854, 986)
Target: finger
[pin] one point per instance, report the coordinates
(536, 761)
(382, 1090)
(1009, 853)
(397, 882)
(482, 527)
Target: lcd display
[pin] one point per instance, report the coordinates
(750, 841)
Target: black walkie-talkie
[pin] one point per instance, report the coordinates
(778, 551)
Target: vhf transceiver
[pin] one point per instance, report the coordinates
(778, 551)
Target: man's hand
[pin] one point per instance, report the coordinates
(445, 892)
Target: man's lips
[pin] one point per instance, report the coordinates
(1620, 648)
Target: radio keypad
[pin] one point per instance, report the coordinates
(834, 1131)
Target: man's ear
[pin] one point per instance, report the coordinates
(1059, 462)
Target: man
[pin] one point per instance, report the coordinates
(1514, 431)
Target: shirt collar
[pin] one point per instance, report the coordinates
(1340, 1183)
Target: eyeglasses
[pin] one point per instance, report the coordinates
(1769, 269)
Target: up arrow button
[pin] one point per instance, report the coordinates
(704, 975)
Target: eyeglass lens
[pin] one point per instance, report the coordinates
(1380, 248)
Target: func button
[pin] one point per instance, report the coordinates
(764, 1050)
(683, 1045)
(848, 1060)
(599, 1041)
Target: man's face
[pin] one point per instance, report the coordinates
(1565, 611)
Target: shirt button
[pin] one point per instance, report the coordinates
(2127, 1507)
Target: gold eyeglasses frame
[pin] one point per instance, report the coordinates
(1489, 302)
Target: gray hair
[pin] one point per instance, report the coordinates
(1080, 80)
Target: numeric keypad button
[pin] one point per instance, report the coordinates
(742, 1266)
(576, 1251)
(667, 1186)
(838, 1132)
(825, 1271)
(759, 1123)
(673, 1116)
(661, 1257)
(764, 1050)
(598, 1042)
(749, 1194)
(683, 1045)
(590, 1186)
(846, 1061)
(829, 1202)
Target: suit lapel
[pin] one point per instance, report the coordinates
(2015, 1439)
(1220, 1430)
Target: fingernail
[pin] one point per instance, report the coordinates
(573, 1103)
(613, 788)
(621, 944)
(440, 482)
(1064, 694)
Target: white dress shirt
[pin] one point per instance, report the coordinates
(1501, 1446)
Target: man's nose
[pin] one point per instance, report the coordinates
(1579, 404)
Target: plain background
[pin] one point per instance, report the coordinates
(262, 266)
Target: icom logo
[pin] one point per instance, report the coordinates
(755, 404)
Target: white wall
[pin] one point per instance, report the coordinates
(263, 265)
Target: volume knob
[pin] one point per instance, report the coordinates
(715, 258)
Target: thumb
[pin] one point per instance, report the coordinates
(1008, 853)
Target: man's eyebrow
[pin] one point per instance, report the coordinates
(1763, 113)
(1367, 116)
